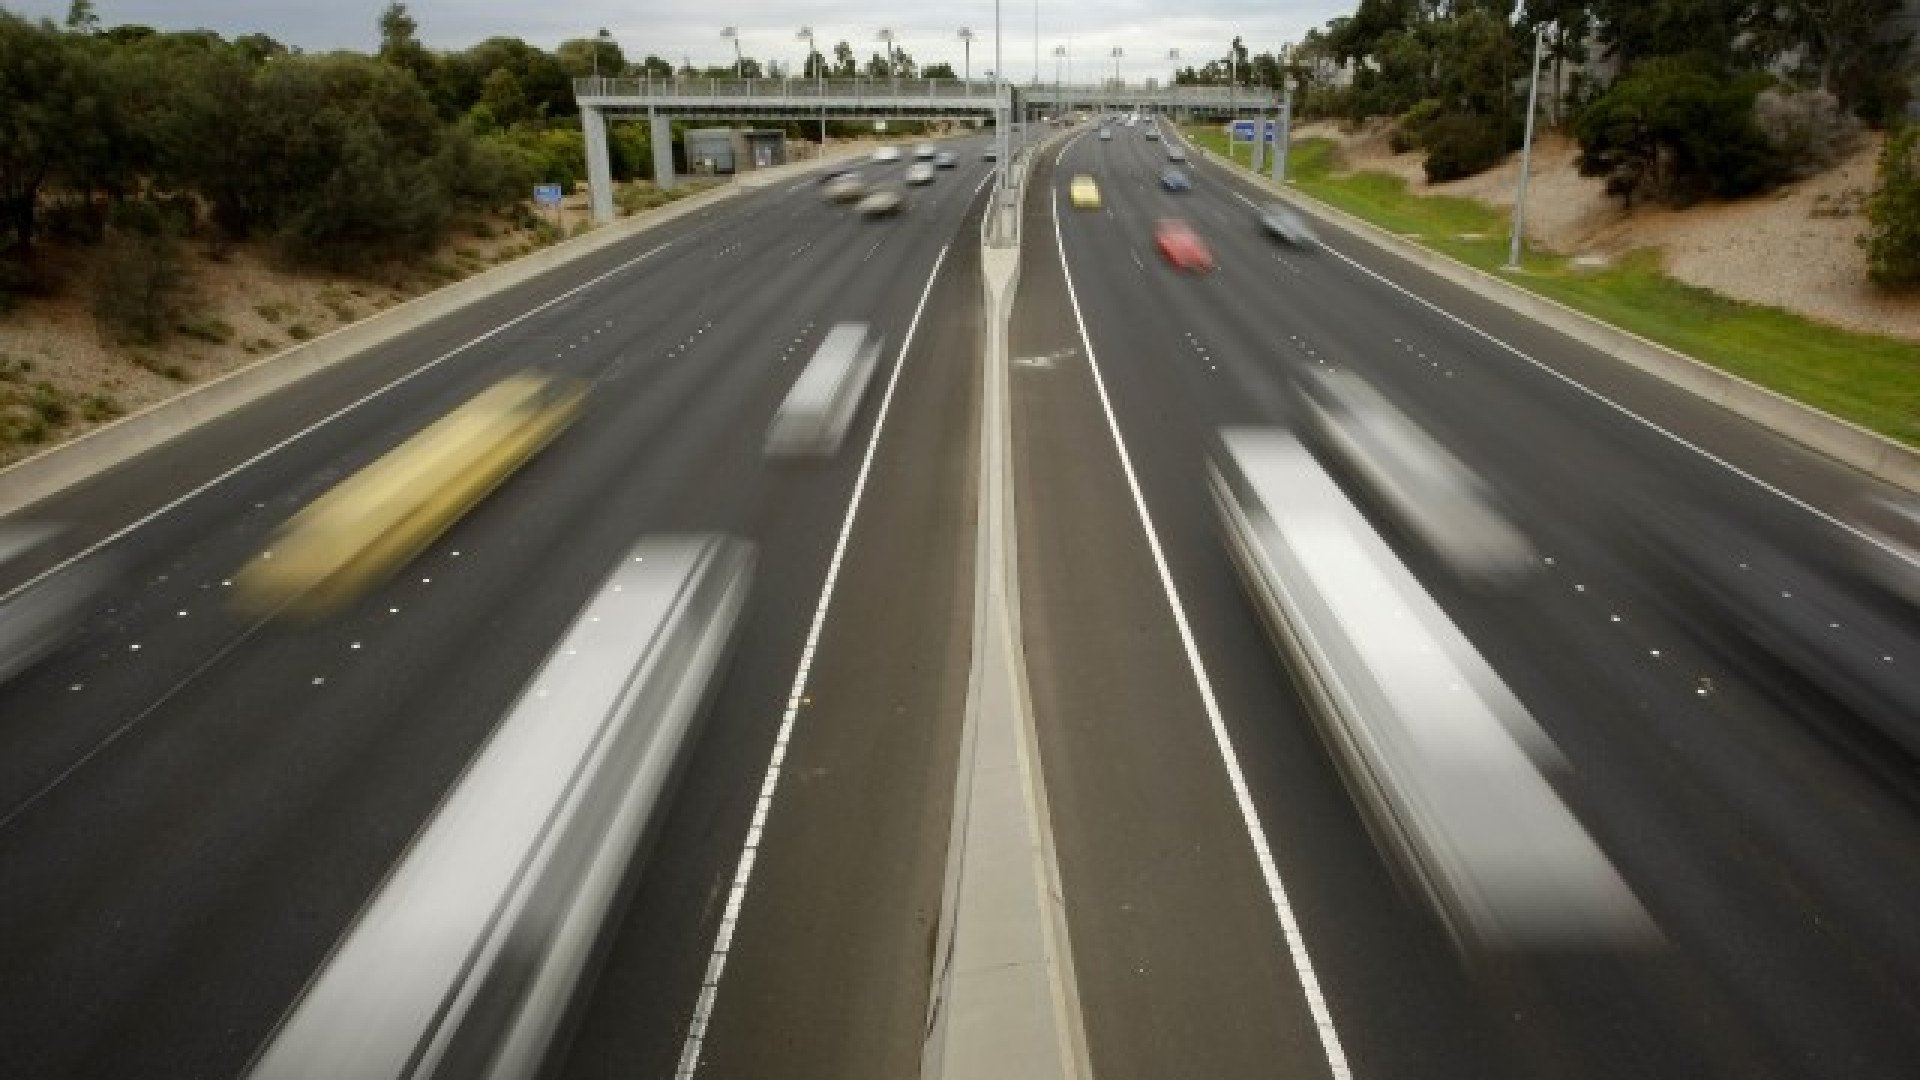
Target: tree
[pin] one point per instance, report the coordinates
(877, 67)
(940, 70)
(1677, 128)
(38, 88)
(82, 19)
(1843, 46)
(1893, 214)
(844, 66)
(505, 102)
(400, 43)
(816, 65)
(581, 57)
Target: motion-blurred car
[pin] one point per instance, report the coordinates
(883, 203)
(847, 187)
(36, 618)
(886, 153)
(1152, 132)
(828, 176)
(1084, 193)
(991, 153)
(1283, 222)
(945, 159)
(1181, 246)
(1175, 153)
(920, 172)
(1175, 180)
(1106, 134)
(924, 152)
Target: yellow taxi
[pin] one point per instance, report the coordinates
(1084, 194)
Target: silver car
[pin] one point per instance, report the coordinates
(1285, 223)
(882, 203)
(920, 172)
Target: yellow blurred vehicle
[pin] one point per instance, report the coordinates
(1084, 194)
(383, 515)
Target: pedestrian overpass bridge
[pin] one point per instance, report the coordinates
(862, 99)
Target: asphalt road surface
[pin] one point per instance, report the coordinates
(193, 803)
(1772, 836)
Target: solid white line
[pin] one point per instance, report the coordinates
(1616, 406)
(756, 830)
(1262, 850)
(123, 531)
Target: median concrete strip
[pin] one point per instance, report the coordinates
(1004, 1005)
(1842, 440)
(57, 468)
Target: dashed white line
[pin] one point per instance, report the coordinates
(796, 696)
(209, 485)
(1243, 798)
(1859, 534)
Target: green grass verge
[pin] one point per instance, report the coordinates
(1872, 380)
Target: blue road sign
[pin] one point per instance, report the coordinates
(1243, 131)
(546, 194)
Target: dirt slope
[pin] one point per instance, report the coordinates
(1794, 248)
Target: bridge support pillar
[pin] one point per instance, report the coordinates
(660, 133)
(599, 174)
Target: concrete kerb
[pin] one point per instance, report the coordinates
(1842, 440)
(27, 482)
(1004, 1003)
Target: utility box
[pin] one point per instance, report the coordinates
(734, 150)
(710, 150)
(764, 148)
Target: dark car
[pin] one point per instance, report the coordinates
(945, 159)
(1175, 180)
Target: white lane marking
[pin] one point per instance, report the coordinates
(874, 248)
(1596, 395)
(756, 830)
(141, 522)
(1262, 850)
(134, 721)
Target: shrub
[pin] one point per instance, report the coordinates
(1677, 129)
(209, 328)
(49, 405)
(1461, 144)
(1893, 214)
(99, 408)
(135, 285)
(299, 332)
(1411, 132)
(1808, 130)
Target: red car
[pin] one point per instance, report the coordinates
(1181, 246)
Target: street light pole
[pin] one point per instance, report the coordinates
(1059, 57)
(819, 82)
(1526, 156)
(893, 73)
(739, 63)
(966, 71)
(1002, 110)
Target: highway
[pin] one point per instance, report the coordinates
(195, 802)
(1771, 838)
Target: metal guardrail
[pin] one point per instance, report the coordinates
(944, 93)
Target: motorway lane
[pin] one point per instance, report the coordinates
(195, 803)
(832, 960)
(1766, 850)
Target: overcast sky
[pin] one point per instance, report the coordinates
(1090, 29)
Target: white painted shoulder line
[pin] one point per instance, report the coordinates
(1263, 852)
(1612, 404)
(750, 850)
(249, 463)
